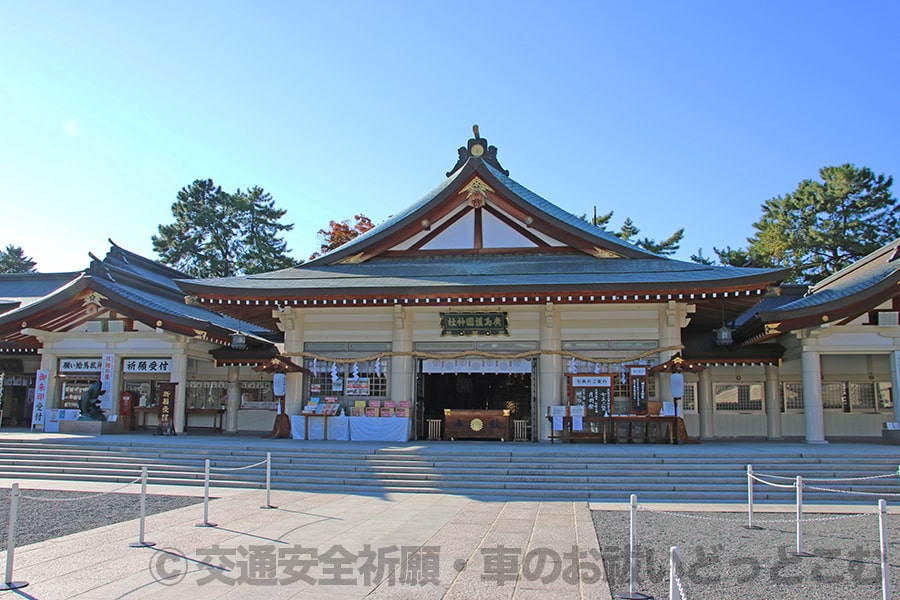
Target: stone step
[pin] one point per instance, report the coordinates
(526, 472)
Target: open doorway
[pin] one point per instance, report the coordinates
(478, 391)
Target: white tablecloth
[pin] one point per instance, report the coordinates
(338, 427)
(378, 429)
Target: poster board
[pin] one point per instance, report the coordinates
(637, 377)
(594, 392)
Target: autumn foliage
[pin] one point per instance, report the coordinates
(339, 233)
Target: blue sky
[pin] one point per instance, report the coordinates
(676, 114)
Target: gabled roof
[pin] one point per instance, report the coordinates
(480, 236)
(530, 212)
(132, 288)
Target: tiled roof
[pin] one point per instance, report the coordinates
(862, 277)
(457, 272)
(21, 289)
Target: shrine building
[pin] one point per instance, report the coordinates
(480, 299)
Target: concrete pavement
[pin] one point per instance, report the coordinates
(324, 546)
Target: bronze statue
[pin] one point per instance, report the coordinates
(90, 403)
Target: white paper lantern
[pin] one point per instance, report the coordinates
(278, 384)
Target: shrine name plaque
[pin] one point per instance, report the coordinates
(476, 424)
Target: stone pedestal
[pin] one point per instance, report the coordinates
(890, 436)
(91, 427)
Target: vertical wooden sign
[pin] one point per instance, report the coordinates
(638, 379)
(166, 409)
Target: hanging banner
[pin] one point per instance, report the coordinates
(107, 376)
(638, 376)
(38, 412)
(480, 323)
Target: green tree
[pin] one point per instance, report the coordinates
(265, 250)
(13, 260)
(729, 257)
(628, 232)
(823, 226)
(217, 234)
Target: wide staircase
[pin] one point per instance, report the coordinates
(484, 471)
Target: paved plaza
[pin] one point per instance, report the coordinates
(323, 546)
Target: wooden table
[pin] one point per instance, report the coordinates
(609, 428)
(218, 415)
(140, 415)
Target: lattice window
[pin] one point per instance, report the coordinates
(862, 397)
(834, 396)
(791, 397)
(734, 397)
(689, 401)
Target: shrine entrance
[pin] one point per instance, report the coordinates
(476, 405)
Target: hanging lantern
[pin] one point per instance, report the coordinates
(278, 384)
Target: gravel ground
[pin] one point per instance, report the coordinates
(72, 512)
(723, 559)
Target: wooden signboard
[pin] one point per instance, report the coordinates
(638, 378)
(166, 409)
(595, 392)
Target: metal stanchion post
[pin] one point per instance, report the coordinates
(268, 481)
(674, 568)
(8, 583)
(750, 497)
(206, 522)
(885, 565)
(799, 486)
(633, 594)
(141, 543)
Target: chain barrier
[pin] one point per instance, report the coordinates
(97, 495)
(853, 492)
(725, 520)
(820, 479)
(676, 587)
(682, 595)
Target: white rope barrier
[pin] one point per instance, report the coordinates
(262, 462)
(778, 485)
(87, 497)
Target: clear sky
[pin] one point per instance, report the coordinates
(676, 114)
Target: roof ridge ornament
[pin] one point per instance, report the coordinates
(477, 147)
